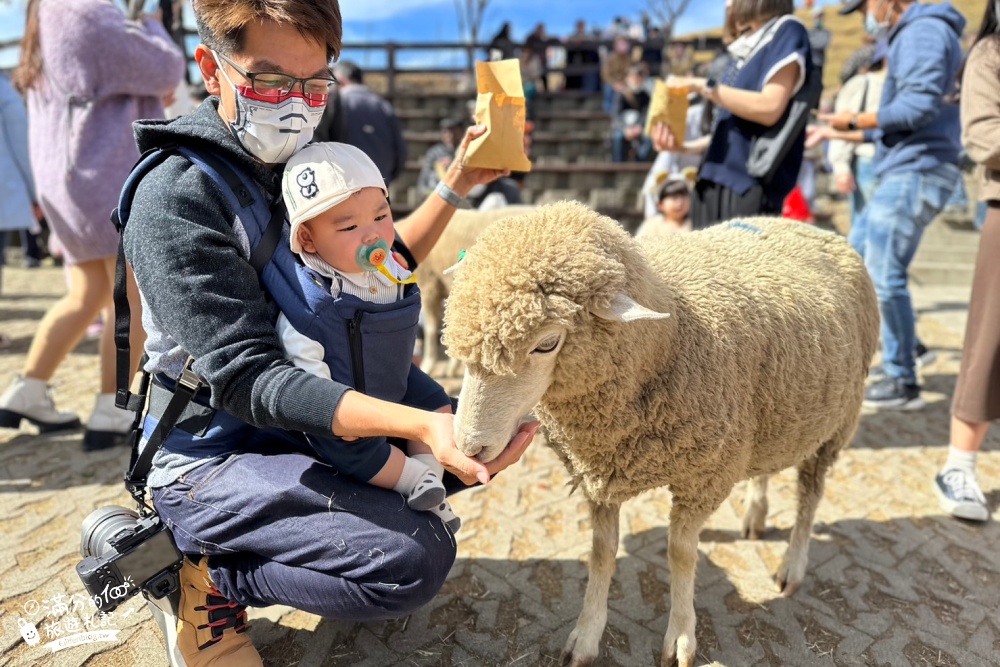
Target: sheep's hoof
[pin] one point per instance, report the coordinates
(786, 584)
(788, 588)
(570, 657)
(752, 533)
(678, 658)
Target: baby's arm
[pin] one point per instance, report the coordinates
(303, 351)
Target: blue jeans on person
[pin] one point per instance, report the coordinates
(887, 235)
(959, 197)
(980, 219)
(620, 147)
(864, 180)
(608, 98)
(281, 527)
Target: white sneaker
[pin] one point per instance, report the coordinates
(960, 495)
(31, 399)
(108, 425)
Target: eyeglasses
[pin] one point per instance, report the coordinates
(274, 85)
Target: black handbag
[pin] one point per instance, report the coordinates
(770, 148)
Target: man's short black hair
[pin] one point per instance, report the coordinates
(347, 70)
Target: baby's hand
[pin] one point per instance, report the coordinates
(400, 260)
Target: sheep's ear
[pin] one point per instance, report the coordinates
(624, 308)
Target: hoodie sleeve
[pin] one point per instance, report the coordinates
(123, 57)
(981, 105)
(920, 68)
(202, 292)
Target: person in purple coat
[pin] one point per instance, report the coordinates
(88, 72)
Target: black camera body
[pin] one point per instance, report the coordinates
(125, 554)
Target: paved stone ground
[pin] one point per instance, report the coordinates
(892, 581)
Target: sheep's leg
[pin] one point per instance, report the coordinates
(583, 644)
(755, 514)
(812, 476)
(432, 302)
(686, 521)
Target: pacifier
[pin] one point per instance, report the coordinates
(372, 258)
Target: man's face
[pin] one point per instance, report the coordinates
(885, 10)
(267, 47)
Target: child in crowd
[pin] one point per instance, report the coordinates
(366, 315)
(674, 205)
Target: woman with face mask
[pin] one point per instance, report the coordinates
(88, 72)
(771, 62)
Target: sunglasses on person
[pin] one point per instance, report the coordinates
(276, 87)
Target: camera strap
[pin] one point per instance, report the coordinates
(135, 478)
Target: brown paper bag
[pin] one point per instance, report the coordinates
(670, 106)
(500, 107)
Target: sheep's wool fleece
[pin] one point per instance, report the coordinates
(762, 362)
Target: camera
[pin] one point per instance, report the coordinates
(124, 554)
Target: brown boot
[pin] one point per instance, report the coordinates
(205, 629)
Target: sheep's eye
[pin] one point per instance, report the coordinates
(547, 345)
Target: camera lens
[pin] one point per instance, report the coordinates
(101, 525)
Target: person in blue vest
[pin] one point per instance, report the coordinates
(341, 230)
(916, 130)
(771, 63)
(260, 519)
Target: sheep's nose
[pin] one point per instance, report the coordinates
(464, 443)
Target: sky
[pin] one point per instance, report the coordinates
(435, 20)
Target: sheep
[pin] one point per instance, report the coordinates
(434, 284)
(691, 362)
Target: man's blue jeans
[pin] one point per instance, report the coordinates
(281, 527)
(887, 235)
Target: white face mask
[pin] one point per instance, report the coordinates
(877, 30)
(271, 131)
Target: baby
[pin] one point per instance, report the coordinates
(342, 230)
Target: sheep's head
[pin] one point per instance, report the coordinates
(523, 296)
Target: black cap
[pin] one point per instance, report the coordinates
(851, 6)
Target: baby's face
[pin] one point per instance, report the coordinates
(336, 234)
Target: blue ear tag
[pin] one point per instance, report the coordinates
(370, 257)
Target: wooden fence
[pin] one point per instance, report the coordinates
(391, 57)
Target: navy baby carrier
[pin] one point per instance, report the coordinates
(303, 297)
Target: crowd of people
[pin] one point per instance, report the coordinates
(277, 400)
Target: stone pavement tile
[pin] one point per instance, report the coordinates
(891, 581)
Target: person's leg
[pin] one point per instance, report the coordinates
(977, 393)
(32, 253)
(618, 147)
(108, 425)
(864, 180)
(288, 529)
(58, 333)
(901, 208)
(644, 149)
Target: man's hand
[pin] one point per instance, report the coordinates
(817, 134)
(462, 178)
(440, 438)
(838, 121)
